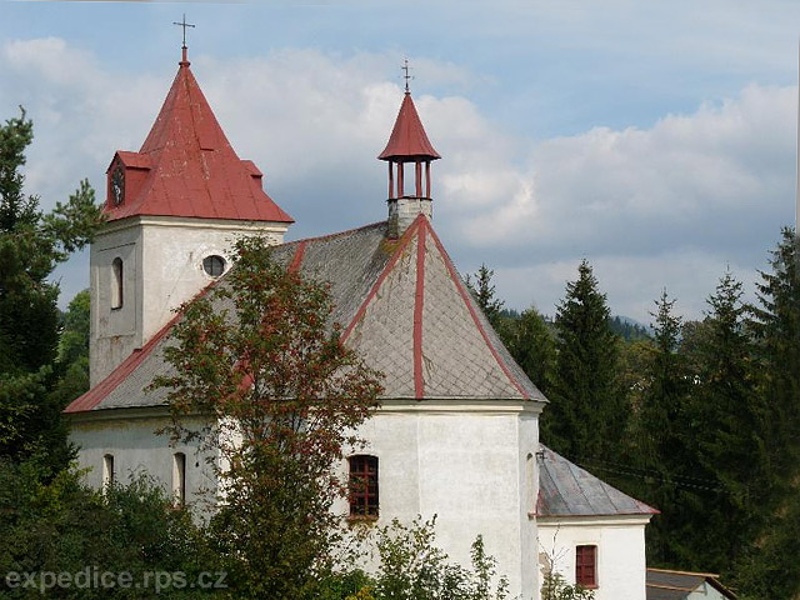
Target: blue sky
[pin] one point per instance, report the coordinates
(655, 139)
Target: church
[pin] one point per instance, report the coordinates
(457, 433)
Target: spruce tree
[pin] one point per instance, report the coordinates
(32, 243)
(588, 414)
(769, 566)
(484, 291)
(530, 341)
(726, 428)
(660, 449)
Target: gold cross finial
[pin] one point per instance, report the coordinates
(183, 24)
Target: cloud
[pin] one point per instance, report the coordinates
(668, 205)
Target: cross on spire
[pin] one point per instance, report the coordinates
(183, 24)
(407, 77)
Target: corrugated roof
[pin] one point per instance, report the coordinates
(404, 309)
(408, 138)
(566, 490)
(190, 168)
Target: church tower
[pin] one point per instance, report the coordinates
(408, 145)
(174, 210)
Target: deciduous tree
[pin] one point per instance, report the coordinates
(258, 357)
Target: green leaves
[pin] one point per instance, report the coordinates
(259, 359)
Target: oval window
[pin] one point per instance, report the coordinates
(214, 265)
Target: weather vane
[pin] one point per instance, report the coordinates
(407, 77)
(183, 24)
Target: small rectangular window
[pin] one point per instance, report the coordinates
(108, 470)
(179, 478)
(363, 486)
(586, 566)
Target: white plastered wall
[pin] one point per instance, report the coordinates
(621, 567)
(137, 449)
(468, 466)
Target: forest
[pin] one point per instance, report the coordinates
(700, 418)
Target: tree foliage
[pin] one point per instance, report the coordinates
(588, 413)
(259, 359)
(32, 243)
(65, 527)
(484, 291)
(531, 341)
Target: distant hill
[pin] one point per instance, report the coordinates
(629, 329)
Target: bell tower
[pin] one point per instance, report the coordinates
(408, 146)
(174, 210)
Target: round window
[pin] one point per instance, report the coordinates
(214, 265)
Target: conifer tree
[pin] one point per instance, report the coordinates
(484, 291)
(726, 427)
(769, 566)
(531, 342)
(588, 414)
(32, 243)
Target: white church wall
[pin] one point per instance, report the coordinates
(113, 325)
(162, 261)
(467, 467)
(620, 543)
(137, 449)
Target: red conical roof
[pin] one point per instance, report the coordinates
(408, 139)
(187, 167)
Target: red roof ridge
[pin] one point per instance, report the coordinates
(404, 241)
(94, 396)
(98, 393)
(465, 297)
(419, 303)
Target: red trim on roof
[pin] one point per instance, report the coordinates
(419, 300)
(98, 393)
(297, 260)
(404, 240)
(466, 298)
(408, 138)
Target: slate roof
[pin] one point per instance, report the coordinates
(408, 138)
(677, 585)
(403, 307)
(188, 168)
(566, 490)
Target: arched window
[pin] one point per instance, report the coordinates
(179, 478)
(108, 470)
(363, 486)
(214, 265)
(116, 283)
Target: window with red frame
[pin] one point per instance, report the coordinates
(364, 486)
(586, 566)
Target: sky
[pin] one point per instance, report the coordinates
(656, 140)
